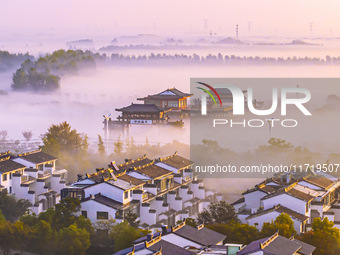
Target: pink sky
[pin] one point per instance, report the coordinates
(289, 17)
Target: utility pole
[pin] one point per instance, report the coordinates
(311, 27)
(249, 23)
(236, 31)
(205, 24)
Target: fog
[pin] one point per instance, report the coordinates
(84, 98)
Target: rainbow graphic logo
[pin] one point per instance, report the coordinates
(208, 92)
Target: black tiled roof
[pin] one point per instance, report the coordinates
(177, 161)
(169, 248)
(38, 157)
(105, 201)
(137, 108)
(174, 94)
(204, 236)
(9, 165)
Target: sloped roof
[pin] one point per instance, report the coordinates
(169, 248)
(280, 209)
(319, 181)
(37, 157)
(152, 170)
(7, 165)
(277, 245)
(137, 108)
(204, 236)
(176, 161)
(105, 201)
(169, 94)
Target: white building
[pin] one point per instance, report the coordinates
(160, 192)
(303, 198)
(182, 239)
(32, 176)
(277, 245)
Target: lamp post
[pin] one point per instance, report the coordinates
(107, 117)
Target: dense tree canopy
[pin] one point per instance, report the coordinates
(219, 212)
(12, 208)
(324, 236)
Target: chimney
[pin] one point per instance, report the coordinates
(164, 230)
(80, 177)
(92, 196)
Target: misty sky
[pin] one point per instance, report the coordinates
(106, 17)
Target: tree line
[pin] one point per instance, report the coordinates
(9, 61)
(221, 60)
(44, 73)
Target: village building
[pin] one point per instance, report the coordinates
(303, 198)
(33, 176)
(182, 239)
(160, 192)
(173, 99)
(277, 245)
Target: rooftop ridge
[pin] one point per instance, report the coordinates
(165, 158)
(146, 165)
(200, 226)
(4, 153)
(291, 186)
(177, 227)
(269, 240)
(132, 161)
(4, 159)
(153, 241)
(28, 153)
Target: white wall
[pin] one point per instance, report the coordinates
(253, 199)
(106, 190)
(92, 207)
(290, 202)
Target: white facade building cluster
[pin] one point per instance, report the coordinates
(33, 176)
(302, 197)
(160, 192)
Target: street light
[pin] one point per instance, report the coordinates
(107, 117)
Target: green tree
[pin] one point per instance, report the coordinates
(131, 218)
(72, 241)
(7, 237)
(283, 223)
(12, 208)
(19, 80)
(101, 147)
(218, 212)
(237, 232)
(324, 236)
(62, 138)
(43, 241)
(123, 235)
(118, 146)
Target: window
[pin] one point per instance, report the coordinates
(10, 190)
(130, 193)
(126, 194)
(102, 215)
(4, 177)
(10, 176)
(84, 213)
